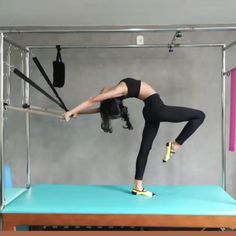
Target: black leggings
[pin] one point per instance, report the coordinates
(154, 112)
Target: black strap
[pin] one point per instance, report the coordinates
(33, 84)
(37, 63)
(59, 53)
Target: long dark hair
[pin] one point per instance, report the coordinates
(111, 109)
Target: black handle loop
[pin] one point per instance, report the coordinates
(58, 47)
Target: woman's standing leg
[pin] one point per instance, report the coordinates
(149, 134)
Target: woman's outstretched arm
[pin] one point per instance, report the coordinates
(117, 91)
(90, 111)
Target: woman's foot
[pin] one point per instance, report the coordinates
(139, 190)
(171, 149)
(142, 192)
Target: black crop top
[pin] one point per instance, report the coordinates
(133, 87)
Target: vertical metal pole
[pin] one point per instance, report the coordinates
(22, 58)
(26, 101)
(2, 193)
(8, 76)
(223, 121)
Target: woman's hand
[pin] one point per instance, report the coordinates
(68, 115)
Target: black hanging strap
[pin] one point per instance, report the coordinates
(33, 84)
(58, 70)
(37, 63)
(58, 47)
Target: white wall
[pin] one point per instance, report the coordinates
(115, 12)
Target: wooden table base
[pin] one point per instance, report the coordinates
(11, 221)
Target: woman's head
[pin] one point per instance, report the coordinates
(111, 109)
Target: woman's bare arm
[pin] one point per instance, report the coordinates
(90, 111)
(117, 91)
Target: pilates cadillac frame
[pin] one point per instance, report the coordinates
(26, 51)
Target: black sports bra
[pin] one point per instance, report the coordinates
(133, 87)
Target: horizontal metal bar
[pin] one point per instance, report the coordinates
(128, 46)
(230, 45)
(15, 45)
(36, 111)
(198, 45)
(45, 109)
(117, 29)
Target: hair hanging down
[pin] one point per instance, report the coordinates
(111, 109)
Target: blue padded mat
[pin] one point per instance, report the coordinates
(97, 199)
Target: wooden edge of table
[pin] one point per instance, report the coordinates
(11, 221)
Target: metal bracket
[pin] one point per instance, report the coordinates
(178, 34)
(227, 73)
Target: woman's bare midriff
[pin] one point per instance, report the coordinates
(145, 91)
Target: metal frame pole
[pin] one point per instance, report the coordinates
(27, 117)
(230, 45)
(8, 75)
(222, 46)
(15, 45)
(223, 75)
(2, 190)
(223, 121)
(22, 69)
(118, 29)
(128, 46)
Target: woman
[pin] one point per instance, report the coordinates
(154, 112)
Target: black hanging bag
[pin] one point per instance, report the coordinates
(58, 70)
